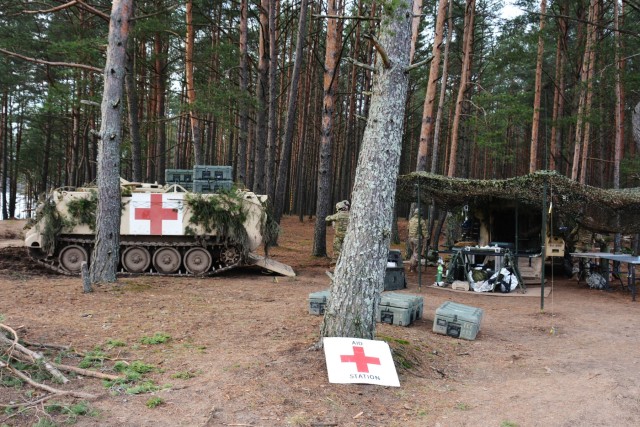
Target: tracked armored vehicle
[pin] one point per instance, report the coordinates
(163, 230)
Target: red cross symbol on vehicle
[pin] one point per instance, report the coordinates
(362, 362)
(155, 214)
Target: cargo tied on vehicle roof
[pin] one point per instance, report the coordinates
(163, 230)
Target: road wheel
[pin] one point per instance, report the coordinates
(197, 260)
(166, 260)
(136, 259)
(72, 257)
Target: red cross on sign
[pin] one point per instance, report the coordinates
(359, 361)
(155, 214)
(362, 362)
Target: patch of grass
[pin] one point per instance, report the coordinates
(185, 375)
(93, 359)
(393, 340)
(111, 343)
(145, 387)
(463, 406)
(9, 381)
(133, 373)
(45, 422)
(157, 338)
(72, 412)
(154, 401)
(298, 420)
(508, 424)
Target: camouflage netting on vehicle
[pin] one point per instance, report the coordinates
(597, 209)
(224, 213)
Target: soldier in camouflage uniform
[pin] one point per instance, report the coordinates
(340, 222)
(417, 237)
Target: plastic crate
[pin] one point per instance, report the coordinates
(318, 302)
(394, 279)
(213, 173)
(399, 309)
(178, 176)
(208, 187)
(458, 320)
(395, 257)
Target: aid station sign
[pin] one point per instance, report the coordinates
(359, 361)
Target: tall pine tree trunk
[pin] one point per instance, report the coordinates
(259, 174)
(469, 17)
(582, 96)
(196, 133)
(105, 256)
(558, 93)
(359, 275)
(272, 126)
(325, 161)
(586, 138)
(533, 154)
(292, 108)
(241, 161)
(432, 84)
(443, 92)
(133, 111)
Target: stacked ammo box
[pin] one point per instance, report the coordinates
(458, 320)
(394, 277)
(202, 179)
(394, 308)
(183, 177)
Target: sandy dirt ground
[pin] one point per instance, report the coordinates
(239, 350)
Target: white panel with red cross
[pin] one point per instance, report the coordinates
(359, 361)
(156, 214)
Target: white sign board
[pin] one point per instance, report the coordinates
(156, 214)
(359, 361)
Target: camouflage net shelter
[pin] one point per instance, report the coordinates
(597, 209)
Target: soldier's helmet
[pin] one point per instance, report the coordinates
(342, 206)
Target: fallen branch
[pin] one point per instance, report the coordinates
(35, 356)
(45, 387)
(14, 333)
(87, 372)
(31, 403)
(45, 345)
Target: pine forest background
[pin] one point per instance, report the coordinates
(210, 82)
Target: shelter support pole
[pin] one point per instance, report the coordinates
(543, 247)
(419, 241)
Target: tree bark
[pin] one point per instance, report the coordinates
(635, 124)
(259, 177)
(432, 84)
(359, 274)
(443, 91)
(196, 133)
(464, 82)
(558, 93)
(325, 161)
(241, 161)
(619, 104)
(582, 96)
(132, 110)
(533, 154)
(415, 27)
(292, 108)
(272, 125)
(105, 253)
(589, 94)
